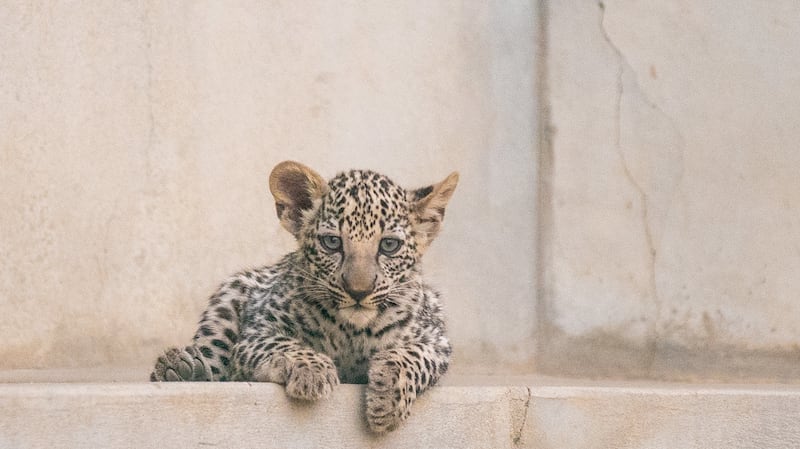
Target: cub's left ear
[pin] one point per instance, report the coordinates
(295, 188)
(427, 209)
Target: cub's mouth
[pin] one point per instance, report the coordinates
(358, 315)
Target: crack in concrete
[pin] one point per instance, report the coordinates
(519, 432)
(623, 65)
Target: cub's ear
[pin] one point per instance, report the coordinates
(295, 188)
(427, 209)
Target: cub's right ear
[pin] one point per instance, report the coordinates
(295, 188)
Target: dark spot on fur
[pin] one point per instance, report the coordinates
(231, 335)
(220, 344)
(224, 313)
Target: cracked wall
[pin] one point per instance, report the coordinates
(673, 229)
(135, 141)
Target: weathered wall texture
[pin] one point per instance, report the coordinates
(136, 139)
(673, 214)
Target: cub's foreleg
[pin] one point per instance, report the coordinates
(208, 358)
(265, 354)
(397, 376)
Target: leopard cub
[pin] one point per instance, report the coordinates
(349, 304)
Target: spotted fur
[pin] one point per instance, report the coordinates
(349, 304)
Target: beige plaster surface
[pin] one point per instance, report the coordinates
(672, 223)
(136, 139)
(628, 204)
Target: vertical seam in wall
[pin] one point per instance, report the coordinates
(544, 200)
(147, 26)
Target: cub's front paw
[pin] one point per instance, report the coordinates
(389, 396)
(312, 377)
(177, 365)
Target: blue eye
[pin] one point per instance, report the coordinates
(390, 246)
(330, 242)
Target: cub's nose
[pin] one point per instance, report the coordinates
(358, 290)
(358, 295)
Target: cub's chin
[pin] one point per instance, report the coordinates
(359, 317)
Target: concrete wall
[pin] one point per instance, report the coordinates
(672, 215)
(650, 148)
(136, 139)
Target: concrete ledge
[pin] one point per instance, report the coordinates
(145, 415)
(244, 415)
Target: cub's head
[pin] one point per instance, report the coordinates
(361, 234)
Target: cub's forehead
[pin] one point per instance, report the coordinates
(366, 200)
